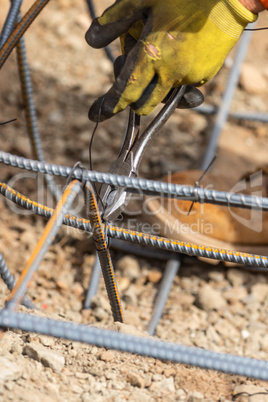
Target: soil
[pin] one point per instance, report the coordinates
(216, 307)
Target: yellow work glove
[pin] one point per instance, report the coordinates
(182, 42)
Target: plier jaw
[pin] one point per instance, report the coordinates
(113, 198)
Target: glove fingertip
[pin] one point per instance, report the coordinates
(99, 111)
(191, 99)
(95, 35)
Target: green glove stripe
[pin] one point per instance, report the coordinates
(228, 15)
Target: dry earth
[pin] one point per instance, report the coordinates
(213, 307)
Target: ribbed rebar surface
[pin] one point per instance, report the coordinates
(148, 187)
(132, 344)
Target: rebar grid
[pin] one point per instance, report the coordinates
(158, 349)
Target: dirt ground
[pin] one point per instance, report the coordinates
(216, 307)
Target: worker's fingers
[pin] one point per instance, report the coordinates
(134, 84)
(139, 87)
(113, 102)
(119, 64)
(191, 98)
(159, 92)
(115, 21)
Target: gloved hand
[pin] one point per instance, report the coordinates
(181, 42)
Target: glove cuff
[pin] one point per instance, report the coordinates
(228, 15)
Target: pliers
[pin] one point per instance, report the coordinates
(113, 199)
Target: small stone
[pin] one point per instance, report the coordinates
(16, 348)
(76, 389)
(129, 267)
(195, 397)
(95, 371)
(46, 340)
(253, 345)
(46, 356)
(65, 281)
(102, 302)
(107, 356)
(213, 336)
(252, 80)
(212, 317)
(86, 397)
(210, 299)
(110, 376)
(180, 393)
(127, 329)
(260, 291)
(236, 277)
(130, 296)
(167, 385)
(10, 371)
(157, 377)
(247, 392)
(77, 289)
(140, 395)
(133, 317)
(9, 386)
(169, 372)
(100, 314)
(235, 294)
(82, 376)
(226, 330)
(154, 276)
(62, 285)
(123, 283)
(135, 380)
(245, 334)
(264, 343)
(216, 276)
(164, 386)
(27, 238)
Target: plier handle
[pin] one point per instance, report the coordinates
(131, 154)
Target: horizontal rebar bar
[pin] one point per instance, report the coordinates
(147, 347)
(146, 239)
(148, 187)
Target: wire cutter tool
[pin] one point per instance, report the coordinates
(133, 148)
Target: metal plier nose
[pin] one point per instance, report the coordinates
(134, 146)
(112, 199)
